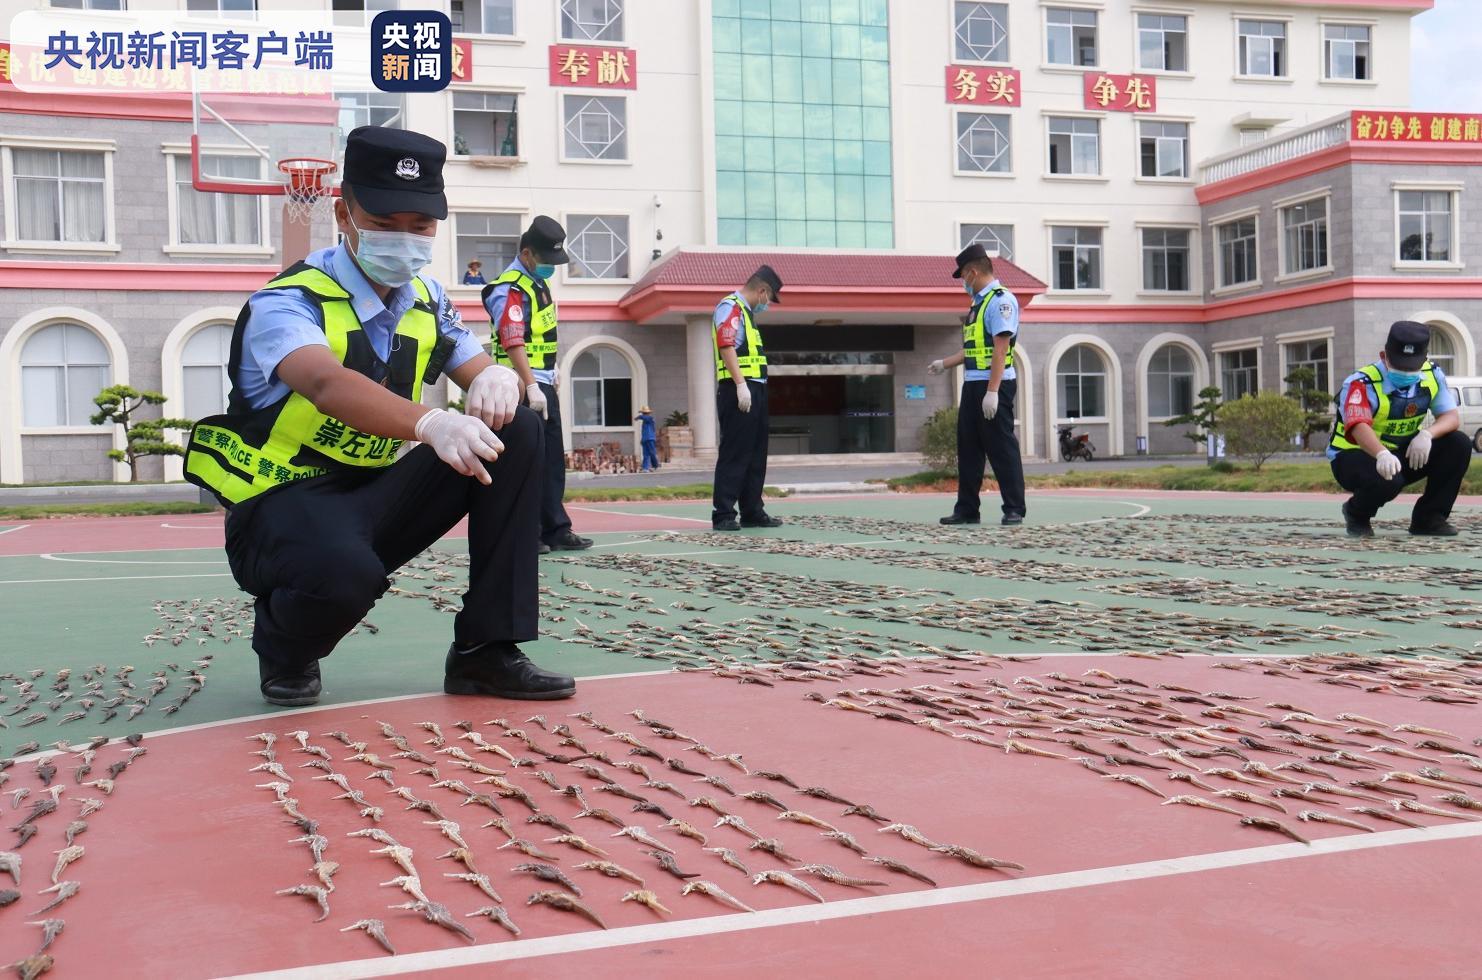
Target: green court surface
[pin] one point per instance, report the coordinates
(1277, 578)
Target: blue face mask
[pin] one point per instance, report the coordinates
(759, 308)
(391, 258)
(545, 271)
(967, 287)
(1402, 379)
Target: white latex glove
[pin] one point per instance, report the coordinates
(461, 441)
(1387, 463)
(536, 398)
(1418, 453)
(936, 367)
(990, 404)
(743, 396)
(493, 395)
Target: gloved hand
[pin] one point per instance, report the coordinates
(1388, 464)
(743, 396)
(461, 441)
(990, 404)
(493, 396)
(936, 367)
(1418, 453)
(536, 398)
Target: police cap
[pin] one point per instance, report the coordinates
(395, 170)
(1407, 345)
(547, 239)
(973, 253)
(769, 278)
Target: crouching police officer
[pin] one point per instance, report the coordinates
(1381, 445)
(327, 367)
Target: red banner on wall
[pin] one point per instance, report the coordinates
(590, 67)
(1416, 127)
(4, 64)
(1121, 93)
(967, 85)
(462, 59)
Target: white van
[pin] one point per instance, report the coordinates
(1468, 392)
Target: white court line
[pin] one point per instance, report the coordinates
(191, 527)
(120, 561)
(111, 578)
(1143, 509)
(18, 527)
(634, 513)
(854, 908)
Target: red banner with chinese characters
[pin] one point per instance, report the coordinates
(574, 64)
(1121, 93)
(4, 64)
(982, 86)
(462, 59)
(1416, 127)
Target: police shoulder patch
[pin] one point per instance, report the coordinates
(1006, 310)
(516, 312)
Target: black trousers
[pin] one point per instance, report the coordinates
(741, 466)
(991, 439)
(316, 554)
(1451, 454)
(553, 520)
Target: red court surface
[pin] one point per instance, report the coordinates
(185, 857)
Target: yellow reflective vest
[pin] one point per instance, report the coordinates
(1396, 418)
(540, 323)
(749, 354)
(977, 346)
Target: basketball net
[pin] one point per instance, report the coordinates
(307, 194)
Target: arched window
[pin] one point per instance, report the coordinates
(602, 385)
(1081, 379)
(204, 381)
(63, 367)
(1170, 382)
(1442, 350)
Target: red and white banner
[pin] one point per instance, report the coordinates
(970, 85)
(593, 67)
(1121, 93)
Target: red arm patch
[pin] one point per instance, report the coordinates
(727, 332)
(1356, 408)
(512, 321)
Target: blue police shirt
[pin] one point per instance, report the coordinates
(499, 296)
(723, 311)
(1002, 319)
(284, 320)
(1444, 401)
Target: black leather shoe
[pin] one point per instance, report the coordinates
(729, 524)
(569, 541)
(290, 687)
(1443, 529)
(959, 519)
(500, 670)
(544, 549)
(1011, 519)
(766, 520)
(1357, 527)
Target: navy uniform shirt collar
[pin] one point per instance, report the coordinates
(363, 298)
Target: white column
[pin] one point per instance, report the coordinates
(700, 362)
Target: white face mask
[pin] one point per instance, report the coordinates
(391, 258)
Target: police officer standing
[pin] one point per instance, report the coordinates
(327, 367)
(985, 415)
(1380, 442)
(523, 314)
(741, 404)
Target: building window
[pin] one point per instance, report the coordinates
(1345, 50)
(1075, 146)
(1170, 382)
(369, 109)
(359, 13)
(997, 239)
(982, 31)
(1070, 37)
(1081, 379)
(87, 4)
(592, 20)
(596, 127)
(209, 218)
(1075, 254)
(1425, 225)
(1239, 373)
(245, 9)
(1236, 242)
(486, 124)
(1165, 260)
(598, 245)
(204, 378)
(63, 367)
(486, 17)
(1304, 229)
(1261, 49)
(1442, 351)
(1163, 149)
(1310, 354)
(983, 143)
(60, 195)
(1162, 42)
(493, 239)
(602, 388)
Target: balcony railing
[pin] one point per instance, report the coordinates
(1277, 149)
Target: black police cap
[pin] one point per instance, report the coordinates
(547, 239)
(1407, 344)
(769, 277)
(969, 255)
(395, 170)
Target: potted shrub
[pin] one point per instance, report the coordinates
(677, 439)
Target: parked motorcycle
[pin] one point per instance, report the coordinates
(1073, 447)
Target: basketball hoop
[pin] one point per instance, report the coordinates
(307, 194)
